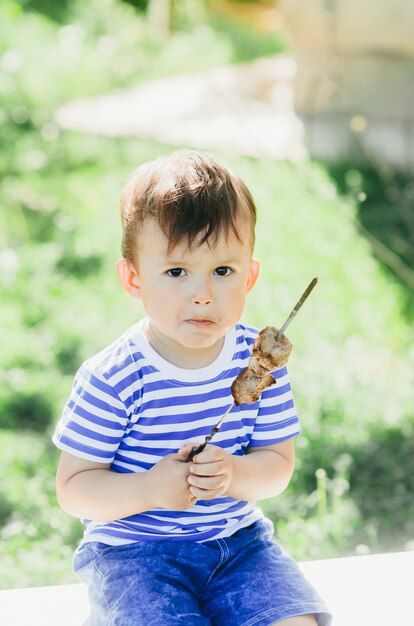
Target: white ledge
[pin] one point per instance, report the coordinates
(360, 591)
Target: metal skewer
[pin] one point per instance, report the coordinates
(297, 307)
(292, 314)
(209, 437)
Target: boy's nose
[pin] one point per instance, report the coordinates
(202, 294)
(201, 299)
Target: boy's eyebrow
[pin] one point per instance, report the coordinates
(181, 261)
(168, 261)
(228, 261)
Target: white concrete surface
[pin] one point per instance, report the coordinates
(373, 590)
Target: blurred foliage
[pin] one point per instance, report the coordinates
(352, 367)
(383, 465)
(384, 198)
(53, 10)
(37, 538)
(247, 44)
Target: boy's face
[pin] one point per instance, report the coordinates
(191, 296)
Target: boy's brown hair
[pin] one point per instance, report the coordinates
(191, 196)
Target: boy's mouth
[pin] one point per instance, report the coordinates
(200, 322)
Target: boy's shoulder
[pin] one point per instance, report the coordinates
(246, 332)
(117, 356)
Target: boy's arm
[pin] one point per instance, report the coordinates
(93, 491)
(262, 473)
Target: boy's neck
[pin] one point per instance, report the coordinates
(178, 355)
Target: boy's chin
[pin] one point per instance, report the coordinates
(198, 344)
(202, 344)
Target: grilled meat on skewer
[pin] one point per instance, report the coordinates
(269, 353)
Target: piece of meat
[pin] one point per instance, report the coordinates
(268, 354)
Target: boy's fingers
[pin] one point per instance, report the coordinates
(206, 482)
(206, 469)
(185, 450)
(210, 454)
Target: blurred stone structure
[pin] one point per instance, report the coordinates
(354, 87)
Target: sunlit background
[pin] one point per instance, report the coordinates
(312, 104)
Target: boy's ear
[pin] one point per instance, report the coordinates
(128, 277)
(254, 270)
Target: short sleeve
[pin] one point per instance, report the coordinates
(93, 421)
(276, 420)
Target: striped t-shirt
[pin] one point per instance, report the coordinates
(130, 407)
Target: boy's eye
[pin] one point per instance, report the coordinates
(175, 272)
(223, 271)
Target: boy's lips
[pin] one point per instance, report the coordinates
(200, 322)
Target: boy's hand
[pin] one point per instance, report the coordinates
(211, 472)
(169, 482)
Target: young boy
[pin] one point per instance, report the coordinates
(170, 542)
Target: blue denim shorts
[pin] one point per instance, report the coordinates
(242, 580)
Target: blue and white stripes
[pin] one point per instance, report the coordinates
(129, 407)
